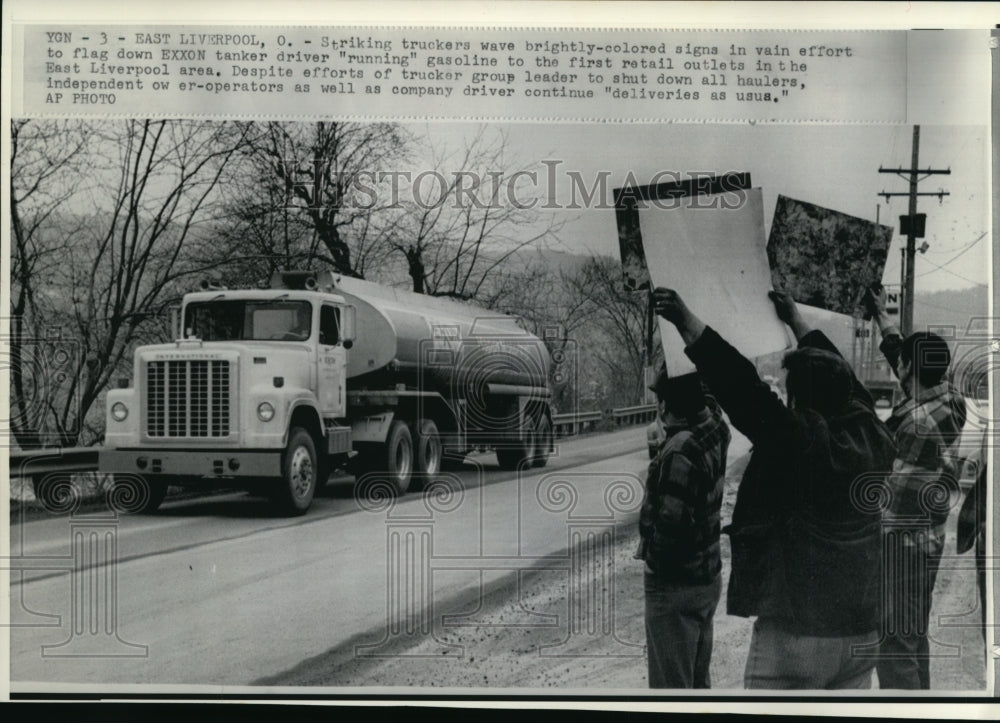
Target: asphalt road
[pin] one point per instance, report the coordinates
(218, 592)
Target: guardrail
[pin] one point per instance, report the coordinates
(577, 422)
(40, 462)
(642, 414)
(566, 425)
(49, 470)
(50, 465)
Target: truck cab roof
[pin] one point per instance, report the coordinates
(263, 295)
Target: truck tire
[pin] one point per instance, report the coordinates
(293, 493)
(510, 458)
(543, 440)
(397, 460)
(427, 453)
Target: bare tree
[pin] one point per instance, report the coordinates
(147, 188)
(310, 192)
(620, 318)
(45, 165)
(548, 308)
(466, 223)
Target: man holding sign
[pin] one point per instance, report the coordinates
(679, 529)
(805, 543)
(927, 426)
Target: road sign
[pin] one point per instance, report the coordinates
(893, 297)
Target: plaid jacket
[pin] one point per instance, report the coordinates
(680, 518)
(927, 428)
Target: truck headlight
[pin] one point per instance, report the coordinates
(119, 412)
(265, 412)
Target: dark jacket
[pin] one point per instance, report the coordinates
(806, 527)
(971, 527)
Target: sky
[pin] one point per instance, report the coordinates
(835, 166)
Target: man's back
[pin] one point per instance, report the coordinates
(805, 528)
(680, 517)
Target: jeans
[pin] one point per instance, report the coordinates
(782, 660)
(910, 573)
(679, 632)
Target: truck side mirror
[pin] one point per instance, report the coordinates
(175, 322)
(348, 325)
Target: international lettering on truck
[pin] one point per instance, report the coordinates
(270, 390)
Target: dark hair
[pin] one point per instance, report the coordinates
(929, 354)
(683, 395)
(817, 379)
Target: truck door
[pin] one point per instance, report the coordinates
(331, 362)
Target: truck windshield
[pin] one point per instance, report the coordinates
(226, 320)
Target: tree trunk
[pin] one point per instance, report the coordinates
(415, 267)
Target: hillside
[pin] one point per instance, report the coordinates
(964, 310)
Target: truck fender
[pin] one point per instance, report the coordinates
(373, 428)
(303, 413)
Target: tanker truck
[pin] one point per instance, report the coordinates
(272, 389)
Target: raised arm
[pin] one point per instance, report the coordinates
(892, 340)
(789, 313)
(751, 405)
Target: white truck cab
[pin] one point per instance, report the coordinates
(269, 389)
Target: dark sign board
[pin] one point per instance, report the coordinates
(825, 258)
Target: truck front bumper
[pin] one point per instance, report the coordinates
(214, 464)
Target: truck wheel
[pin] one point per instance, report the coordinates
(294, 492)
(543, 438)
(398, 459)
(428, 453)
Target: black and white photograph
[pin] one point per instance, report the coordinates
(632, 366)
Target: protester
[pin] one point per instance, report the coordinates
(971, 529)
(927, 425)
(805, 533)
(679, 527)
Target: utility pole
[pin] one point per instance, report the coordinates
(650, 373)
(912, 225)
(873, 325)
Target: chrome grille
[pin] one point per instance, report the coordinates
(187, 398)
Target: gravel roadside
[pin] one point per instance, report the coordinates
(507, 641)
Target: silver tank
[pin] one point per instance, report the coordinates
(444, 342)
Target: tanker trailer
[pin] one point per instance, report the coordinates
(458, 376)
(271, 389)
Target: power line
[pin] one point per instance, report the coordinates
(962, 248)
(942, 268)
(965, 249)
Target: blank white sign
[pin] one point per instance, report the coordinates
(711, 250)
